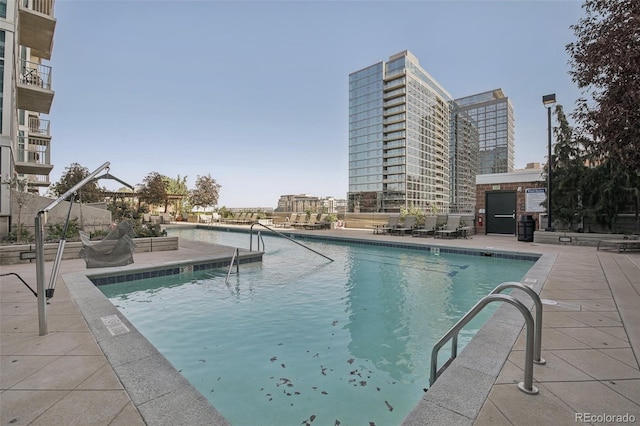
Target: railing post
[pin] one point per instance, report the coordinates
(527, 385)
(538, 322)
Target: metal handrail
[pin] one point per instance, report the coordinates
(526, 386)
(282, 235)
(23, 281)
(261, 239)
(537, 343)
(235, 257)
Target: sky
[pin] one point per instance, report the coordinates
(255, 94)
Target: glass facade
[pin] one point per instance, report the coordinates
(493, 114)
(463, 163)
(399, 138)
(365, 134)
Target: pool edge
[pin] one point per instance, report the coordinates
(461, 391)
(451, 400)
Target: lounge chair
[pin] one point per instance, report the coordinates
(429, 228)
(287, 222)
(315, 223)
(300, 221)
(391, 224)
(251, 219)
(407, 226)
(450, 230)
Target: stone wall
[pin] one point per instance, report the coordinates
(15, 253)
(90, 217)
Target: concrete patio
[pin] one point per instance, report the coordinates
(591, 342)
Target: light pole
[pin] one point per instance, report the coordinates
(548, 101)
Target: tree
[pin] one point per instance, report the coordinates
(206, 192)
(154, 190)
(605, 59)
(569, 173)
(74, 173)
(178, 186)
(21, 196)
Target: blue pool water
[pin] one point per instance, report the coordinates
(298, 339)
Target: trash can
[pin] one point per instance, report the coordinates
(526, 226)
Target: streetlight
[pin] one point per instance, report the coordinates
(548, 101)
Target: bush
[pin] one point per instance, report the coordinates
(25, 235)
(149, 230)
(56, 230)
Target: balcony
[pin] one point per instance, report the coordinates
(37, 26)
(38, 180)
(34, 87)
(39, 127)
(34, 157)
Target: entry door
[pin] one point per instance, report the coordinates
(501, 212)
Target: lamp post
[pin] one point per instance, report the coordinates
(548, 101)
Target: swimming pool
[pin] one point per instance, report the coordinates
(300, 339)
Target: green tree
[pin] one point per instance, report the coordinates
(178, 187)
(74, 173)
(22, 196)
(568, 174)
(154, 190)
(605, 60)
(206, 192)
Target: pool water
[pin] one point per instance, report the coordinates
(298, 339)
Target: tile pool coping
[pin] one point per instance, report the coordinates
(488, 251)
(164, 396)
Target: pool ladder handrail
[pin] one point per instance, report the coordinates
(235, 258)
(282, 235)
(527, 385)
(537, 341)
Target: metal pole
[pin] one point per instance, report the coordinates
(42, 314)
(549, 167)
(40, 220)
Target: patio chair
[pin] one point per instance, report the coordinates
(315, 223)
(429, 228)
(391, 224)
(287, 222)
(451, 229)
(300, 221)
(407, 226)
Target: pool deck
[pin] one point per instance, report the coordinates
(591, 342)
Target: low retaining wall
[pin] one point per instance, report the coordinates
(25, 253)
(573, 238)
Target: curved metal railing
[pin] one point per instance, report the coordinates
(537, 341)
(527, 385)
(282, 235)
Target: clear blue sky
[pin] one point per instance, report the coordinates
(256, 93)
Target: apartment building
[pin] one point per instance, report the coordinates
(305, 202)
(26, 43)
(493, 114)
(404, 133)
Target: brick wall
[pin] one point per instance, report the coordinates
(482, 189)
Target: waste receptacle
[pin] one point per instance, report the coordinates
(526, 226)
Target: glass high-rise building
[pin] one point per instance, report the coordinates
(398, 138)
(402, 132)
(493, 114)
